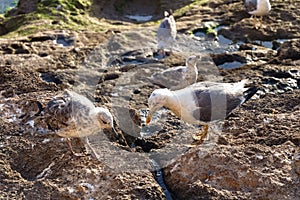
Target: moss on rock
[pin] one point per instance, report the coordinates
(47, 14)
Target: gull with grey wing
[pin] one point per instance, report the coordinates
(202, 102)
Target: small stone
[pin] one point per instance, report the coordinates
(260, 157)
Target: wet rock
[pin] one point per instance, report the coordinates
(295, 73)
(64, 40)
(245, 31)
(220, 59)
(207, 29)
(49, 77)
(246, 46)
(212, 36)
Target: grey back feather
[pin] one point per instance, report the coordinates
(215, 101)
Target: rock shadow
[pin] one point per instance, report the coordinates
(134, 11)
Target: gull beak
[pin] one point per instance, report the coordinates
(152, 110)
(150, 114)
(148, 119)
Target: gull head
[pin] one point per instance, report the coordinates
(192, 60)
(168, 13)
(105, 118)
(157, 99)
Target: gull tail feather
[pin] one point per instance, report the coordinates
(249, 93)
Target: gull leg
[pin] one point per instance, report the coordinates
(171, 46)
(261, 22)
(90, 148)
(71, 149)
(256, 21)
(200, 139)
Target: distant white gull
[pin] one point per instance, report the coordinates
(179, 77)
(72, 115)
(258, 8)
(201, 103)
(166, 33)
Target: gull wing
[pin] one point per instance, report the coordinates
(215, 101)
(70, 115)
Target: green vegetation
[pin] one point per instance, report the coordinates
(209, 27)
(180, 12)
(66, 14)
(52, 14)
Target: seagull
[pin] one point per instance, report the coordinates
(257, 8)
(72, 115)
(179, 77)
(201, 103)
(166, 33)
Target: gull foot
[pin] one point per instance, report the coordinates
(198, 139)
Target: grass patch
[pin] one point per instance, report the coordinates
(181, 12)
(50, 15)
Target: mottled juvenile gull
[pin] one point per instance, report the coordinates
(201, 103)
(166, 33)
(72, 115)
(179, 77)
(258, 8)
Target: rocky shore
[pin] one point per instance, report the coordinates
(95, 49)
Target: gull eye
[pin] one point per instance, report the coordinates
(153, 95)
(105, 122)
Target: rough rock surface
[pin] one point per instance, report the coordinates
(248, 156)
(254, 149)
(289, 50)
